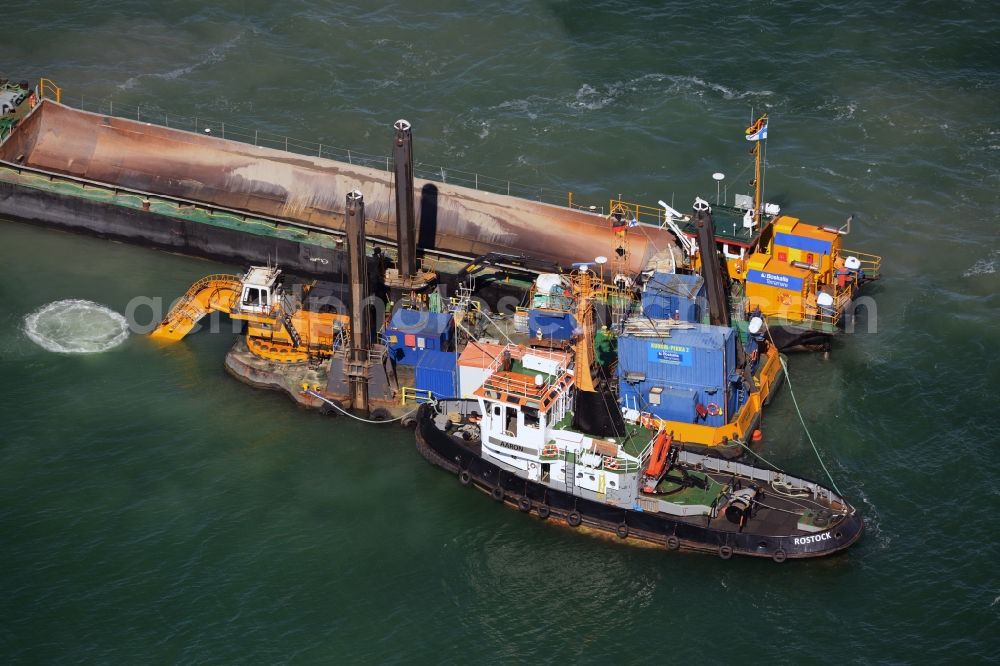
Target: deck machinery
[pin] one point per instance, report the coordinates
(280, 326)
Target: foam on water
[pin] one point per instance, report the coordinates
(215, 55)
(76, 327)
(985, 266)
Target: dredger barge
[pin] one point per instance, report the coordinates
(227, 200)
(214, 197)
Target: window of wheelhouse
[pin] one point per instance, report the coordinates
(510, 425)
(531, 419)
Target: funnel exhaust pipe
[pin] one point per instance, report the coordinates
(406, 237)
(358, 275)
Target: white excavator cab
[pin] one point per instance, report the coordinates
(259, 292)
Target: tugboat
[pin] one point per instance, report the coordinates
(531, 439)
(544, 431)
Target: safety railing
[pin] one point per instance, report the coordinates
(651, 215)
(588, 208)
(619, 465)
(409, 394)
(871, 264)
(48, 89)
(647, 453)
(512, 385)
(254, 136)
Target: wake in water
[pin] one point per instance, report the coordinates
(215, 54)
(987, 266)
(591, 98)
(76, 327)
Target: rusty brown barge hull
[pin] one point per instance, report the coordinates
(303, 196)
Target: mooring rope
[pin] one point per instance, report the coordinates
(768, 462)
(353, 416)
(788, 381)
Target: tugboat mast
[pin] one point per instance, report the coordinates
(757, 132)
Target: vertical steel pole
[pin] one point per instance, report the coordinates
(358, 276)
(406, 237)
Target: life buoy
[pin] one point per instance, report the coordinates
(550, 450)
(713, 409)
(497, 493)
(524, 504)
(610, 463)
(622, 531)
(573, 518)
(464, 477)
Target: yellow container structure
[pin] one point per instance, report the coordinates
(797, 242)
(779, 289)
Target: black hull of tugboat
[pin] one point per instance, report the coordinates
(789, 338)
(463, 459)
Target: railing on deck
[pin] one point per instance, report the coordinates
(871, 264)
(652, 215)
(415, 395)
(46, 88)
(237, 132)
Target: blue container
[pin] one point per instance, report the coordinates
(437, 372)
(411, 333)
(700, 357)
(553, 325)
(675, 403)
(674, 295)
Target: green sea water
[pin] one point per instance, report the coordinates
(154, 510)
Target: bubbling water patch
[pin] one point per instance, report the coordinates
(76, 327)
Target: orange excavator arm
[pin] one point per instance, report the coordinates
(210, 294)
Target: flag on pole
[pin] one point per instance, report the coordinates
(758, 131)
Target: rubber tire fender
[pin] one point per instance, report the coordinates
(779, 556)
(544, 511)
(574, 519)
(464, 477)
(673, 543)
(497, 493)
(380, 414)
(622, 531)
(725, 552)
(409, 422)
(524, 504)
